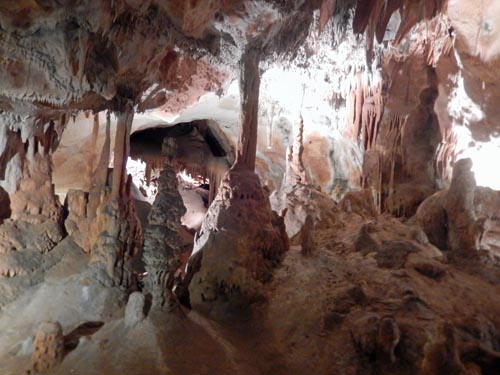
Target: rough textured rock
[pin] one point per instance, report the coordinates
(442, 355)
(297, 199)
(241, 240)
(307, 236)
(34, 224)
(134, 311)
(377, 337)
(449, 217)
(463, 228)
(162, 242)
(48, 348)
(431, 216)
(384, 117)
(119, 237)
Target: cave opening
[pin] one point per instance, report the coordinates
(189, 151)
(198, 158)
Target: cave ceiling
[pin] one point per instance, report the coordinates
(178, 61)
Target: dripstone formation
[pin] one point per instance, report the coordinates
(48, 348)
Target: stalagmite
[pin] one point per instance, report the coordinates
(462, 229)
(297, 199)
(101, 172)
(448, 217)
(295, 171)
(162, 242)
(307, 236)
(241, 238)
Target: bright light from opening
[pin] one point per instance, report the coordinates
(464, 111)
(485, 157)
(186, 177)
(137, 169)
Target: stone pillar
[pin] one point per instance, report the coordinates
(241, 238)
(162, 243)
(249, 91)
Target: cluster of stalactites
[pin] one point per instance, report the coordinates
(445, 154)
(98, 164)
(432, 38)
(366, 107)
(391, 156)
(373, 16)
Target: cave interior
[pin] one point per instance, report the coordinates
(251, 187)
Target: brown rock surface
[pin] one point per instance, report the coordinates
(241, 240)
(49, 348)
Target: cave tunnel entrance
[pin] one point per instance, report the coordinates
(199, 154)
(201, 158)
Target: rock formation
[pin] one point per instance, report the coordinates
(48, 348)
(449, 218)
(442, 356)
(134, 312)
(103, 221)
(297, 199)
(162, 243)
(241, 239)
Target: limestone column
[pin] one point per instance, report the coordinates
(101, 172)
(249, 91)
(162, 243)
(122, 150)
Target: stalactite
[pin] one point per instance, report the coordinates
(91, 155)
(393, 136)
(358, 104)
(147, 173)
(367, 108)
(122, 150)
(326, 11)
(372, 17)
(101, 172)
(216, 170)
(445, 154)
(249, 88)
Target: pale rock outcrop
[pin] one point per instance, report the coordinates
(134, 311)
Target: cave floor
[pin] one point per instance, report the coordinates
(303, 326)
